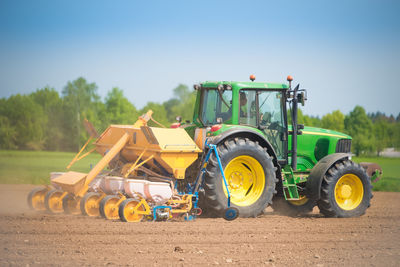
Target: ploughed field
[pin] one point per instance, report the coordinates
(33, 238)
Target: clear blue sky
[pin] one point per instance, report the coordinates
(344, 52)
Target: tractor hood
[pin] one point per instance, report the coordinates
(323, 132)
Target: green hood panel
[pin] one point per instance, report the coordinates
(324, 132)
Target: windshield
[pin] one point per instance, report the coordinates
(216, 104)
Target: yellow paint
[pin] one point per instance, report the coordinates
(173, 149)
(37, 200)
(349, 192)
(184, 205)
(92, 205)
(325, 134)
(78, 157)
(300, 202)
(111, 207)
(135, 210)
(246, 184)
(55, 201)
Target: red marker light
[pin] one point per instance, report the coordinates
(252, 77)
(216, 127)
(289, 78)
(175, 125)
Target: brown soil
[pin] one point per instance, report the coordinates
(32, 238)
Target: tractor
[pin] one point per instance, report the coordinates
(269, 161)
(238, 155)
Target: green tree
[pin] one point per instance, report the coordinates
(8, 134)
(159, 113)
(304, 119)
(119, 109)
(51, 103)
(186, 101)
(80, 100)
(359, 126)
(396, 135)
(333, 121)
(381, 135)
(170, 108)
(24, 124)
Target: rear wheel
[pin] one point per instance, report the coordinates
(36, 198)
(53, 201)
(250, 175)
(127, 211)
(71, 204)
(345, 191)
(90, 204)
(108, 207)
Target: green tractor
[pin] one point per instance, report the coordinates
(266, 161)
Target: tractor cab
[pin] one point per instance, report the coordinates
(260, 106)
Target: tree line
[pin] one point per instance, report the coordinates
(47, 120)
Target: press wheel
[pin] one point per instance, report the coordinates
(36, 198)
(127, 211)
(53, 201)
(90, 204)
(71, 204)
(109, 208)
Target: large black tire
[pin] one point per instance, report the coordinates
(292, 208)
(345, 191)
(231, 151)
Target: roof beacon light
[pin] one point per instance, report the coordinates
(289, 79)
(252, 77)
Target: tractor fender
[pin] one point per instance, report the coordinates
(246, 133)
(317, 173)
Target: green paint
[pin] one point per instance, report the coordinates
(226, 105)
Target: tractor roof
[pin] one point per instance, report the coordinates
(239, 85)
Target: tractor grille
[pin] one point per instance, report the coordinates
(343, 146)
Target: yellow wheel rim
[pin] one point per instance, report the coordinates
(73, 205)
(246, 180)
(92, 206)
(349, 192)
(300, 202)
(111, 209)
(37, 200)
(55, 202)
(130, 214)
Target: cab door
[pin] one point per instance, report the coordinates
(272, 119)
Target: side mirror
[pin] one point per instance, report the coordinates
(301, 97)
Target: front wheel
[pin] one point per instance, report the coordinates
(250, 175)
(345, 191)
